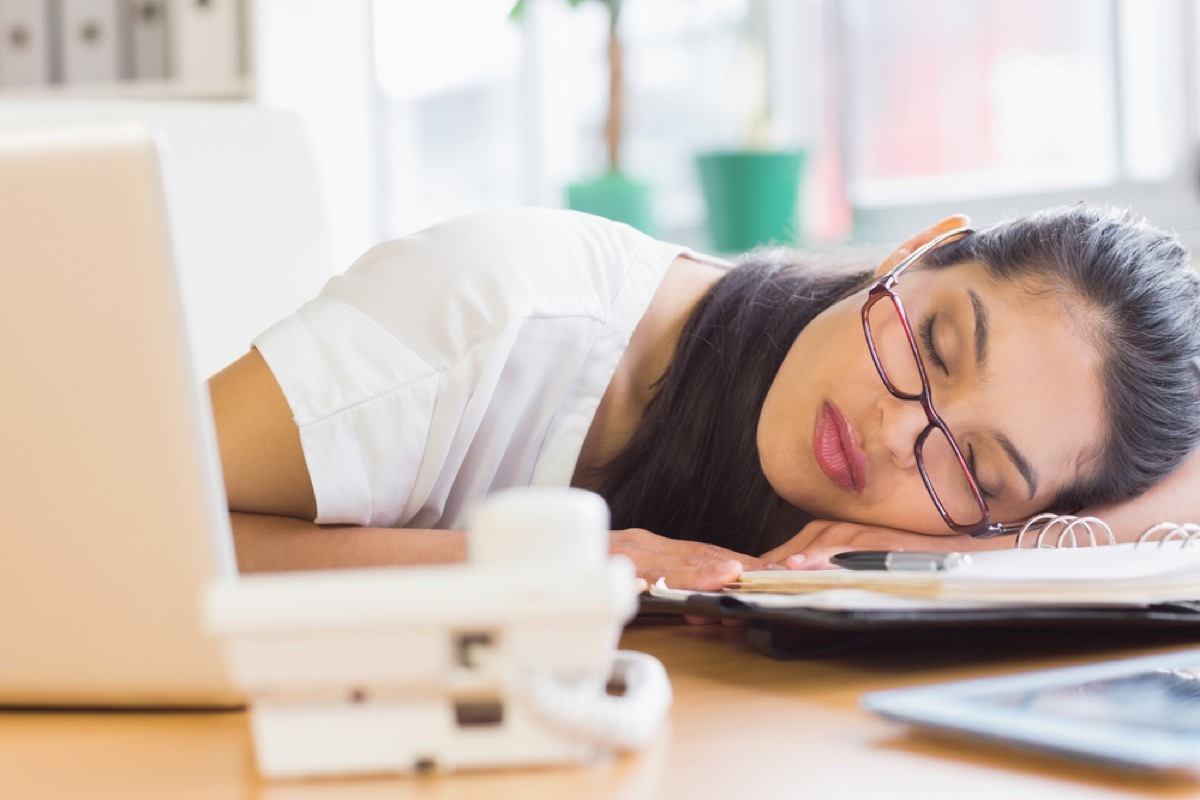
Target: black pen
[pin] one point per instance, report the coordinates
(900, 560)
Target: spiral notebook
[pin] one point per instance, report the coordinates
(1062, 572)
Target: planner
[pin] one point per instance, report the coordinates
(1070, 575)
(1119, 574)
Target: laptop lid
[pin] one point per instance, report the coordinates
(112, 513)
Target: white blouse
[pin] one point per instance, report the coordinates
(460, 360)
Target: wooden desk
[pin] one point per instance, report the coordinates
(742, 726)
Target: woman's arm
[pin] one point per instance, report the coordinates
(270, 543)
(261, 457)
(820, 539)
(1176, 499)
(270, 492)
(272, 504)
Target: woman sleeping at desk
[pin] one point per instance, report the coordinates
(733, 416)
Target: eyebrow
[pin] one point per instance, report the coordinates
(981, 330)
(1019, 461)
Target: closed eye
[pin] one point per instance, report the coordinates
(926, 334)
(974, 474)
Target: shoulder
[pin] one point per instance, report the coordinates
(489, 269)
(512, 244)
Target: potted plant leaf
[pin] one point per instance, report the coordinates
(612, 194)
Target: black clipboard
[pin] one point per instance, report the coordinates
(795, 633)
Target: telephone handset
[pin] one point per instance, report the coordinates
(507, 660)
(624, 722)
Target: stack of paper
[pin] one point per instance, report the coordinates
(1111, 575)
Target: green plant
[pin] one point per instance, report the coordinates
(613, 122)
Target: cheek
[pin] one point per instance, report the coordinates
(780, 421)
(826, 362)
(903, 502)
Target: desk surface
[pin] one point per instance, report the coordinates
(742, 725)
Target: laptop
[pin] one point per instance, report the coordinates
(112, 511)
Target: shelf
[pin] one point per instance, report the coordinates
(241, 89)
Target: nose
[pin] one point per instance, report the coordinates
(900, 423)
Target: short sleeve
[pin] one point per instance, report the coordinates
(465, 358)
(362, 402)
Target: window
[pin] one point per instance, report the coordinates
(908, 110)
(949, 98)
(998, 105)
(450, 84)
(478, 110)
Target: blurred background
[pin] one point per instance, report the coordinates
(901, 112)
(805, 121)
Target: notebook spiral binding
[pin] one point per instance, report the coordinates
(1066, 530)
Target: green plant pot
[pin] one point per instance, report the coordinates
(616, 197)
(752, 197)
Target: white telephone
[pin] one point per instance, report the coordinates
(508, 660)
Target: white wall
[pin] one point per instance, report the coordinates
(315, 58)
(246, 207)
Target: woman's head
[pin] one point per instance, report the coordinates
(1058, 350)
(1136, 296)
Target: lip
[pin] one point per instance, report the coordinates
(836, 450)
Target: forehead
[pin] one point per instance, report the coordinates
(1042, 387)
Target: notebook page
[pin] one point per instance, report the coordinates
(1108, 562)
(1115, 574)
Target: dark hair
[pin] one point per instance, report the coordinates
(691, 469)
(1141, 297)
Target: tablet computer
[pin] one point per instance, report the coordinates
(1140, 714)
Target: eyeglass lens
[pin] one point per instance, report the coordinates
(947, 480)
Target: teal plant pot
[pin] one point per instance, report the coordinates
(752, 197)
(616, 197)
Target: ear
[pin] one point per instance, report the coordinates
(922, 238)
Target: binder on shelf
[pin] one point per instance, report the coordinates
(92, 37)
(205, 44)
(27, 48)
(148, 39)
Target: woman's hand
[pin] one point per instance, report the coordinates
(818, 540)
(684, 565)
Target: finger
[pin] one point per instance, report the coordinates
(692, 619)
(780, 553)
(720, 573)
(757, 564)
(807, 537)
(819, 557)
(708, 577)
(813, 559)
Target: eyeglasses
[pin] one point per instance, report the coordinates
(944, 470)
